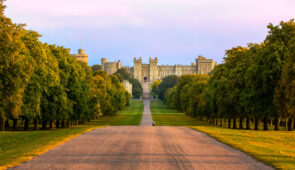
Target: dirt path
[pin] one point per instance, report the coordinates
(143, 147)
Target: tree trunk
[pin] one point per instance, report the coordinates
(271, 122)
(241, 126)
(63, 123)
(77, 122)
(221, 122)
(235, 123)
(290, 124)
(229, 123)
(248, 123)
(294, 123)
(51, 124)
(212, 120)
(23, 121)
(14, 128)
(26, 125)
(2, 124)
(68, 123)
(57, 124)
(35, 124)
(265, 123)
(286, 123)
(44, 124)
(256, 121)
(7, 123)
(277, 123)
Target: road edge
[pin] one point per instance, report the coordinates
(39, 151)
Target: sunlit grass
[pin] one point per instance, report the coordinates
(275, 148)
(20, 146)
(130, 116)
(163, 116)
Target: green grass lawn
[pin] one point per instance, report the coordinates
(163, 116)
(275, 148)
(129, 116)
(19, 146)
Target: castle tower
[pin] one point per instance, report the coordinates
(81, 56)
(204, 65)
(153, 69)
(137, 69)
(119, 64)
(103, 61)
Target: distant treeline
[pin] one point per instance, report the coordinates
(254, 83)
(43, 83)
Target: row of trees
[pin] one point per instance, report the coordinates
(256, 83)
(43, 83)
(137, 90)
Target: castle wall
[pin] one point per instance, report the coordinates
(110, 67)
(152, 71)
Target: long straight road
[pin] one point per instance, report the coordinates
(146, 116)
(144, 148)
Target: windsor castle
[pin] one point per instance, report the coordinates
(152, 71)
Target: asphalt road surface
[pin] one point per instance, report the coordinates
(144, 148)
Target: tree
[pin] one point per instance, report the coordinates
(136, 88)
(155, 88)
(166, 83)
(95, 67)
(285, 92)
(123, 72)
(14, 69)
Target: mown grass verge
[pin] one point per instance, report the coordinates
(130, 116)
(19, 146)
(275, 148)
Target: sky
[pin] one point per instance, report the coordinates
(175, 31)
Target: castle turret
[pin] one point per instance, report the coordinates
(153, 74)
(137, 71)
(119, 64)
(81, 56)
(204, 65)
(103, 61)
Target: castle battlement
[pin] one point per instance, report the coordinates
(81, 56)
(152, 71)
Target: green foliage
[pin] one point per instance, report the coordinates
(44, 83)
(256, 82)
(167, 82)
(123, 72)
(95, 67)
(155, 88)
(136, 88)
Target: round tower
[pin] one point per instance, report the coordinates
(103, 61)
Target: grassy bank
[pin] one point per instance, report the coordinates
(275, 148)
(19, 146)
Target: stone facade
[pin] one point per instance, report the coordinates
(110, 67)
(81, 56)
(128, 86)
(152, 71)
